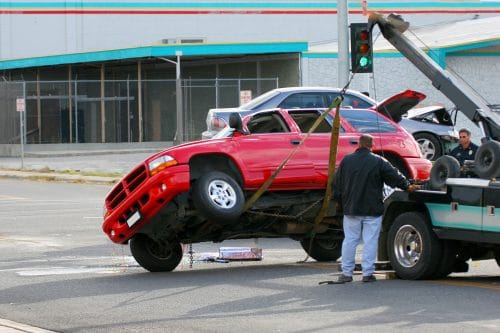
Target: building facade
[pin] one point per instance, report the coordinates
(107, 71)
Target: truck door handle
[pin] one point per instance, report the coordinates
(295, 142)
(353, 142)
(491, 210)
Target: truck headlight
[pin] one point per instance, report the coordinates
(161, 163)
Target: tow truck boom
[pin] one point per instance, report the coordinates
(470, 103)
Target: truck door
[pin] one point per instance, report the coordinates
(271, 142)
(491, 209)
(318, 143)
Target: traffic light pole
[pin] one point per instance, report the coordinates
(343, 43)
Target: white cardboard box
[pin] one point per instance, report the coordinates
(240, 253)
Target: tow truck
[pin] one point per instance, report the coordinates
(431, 233)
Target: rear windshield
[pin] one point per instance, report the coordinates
(368, 122)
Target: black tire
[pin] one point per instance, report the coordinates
(413, 249)
(487, 160)
(448, 260)
(443, 168)
(155, 256)
(430, 146)
(218, 197)
(322, 249)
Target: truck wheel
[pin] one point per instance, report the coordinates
(448, 261)
(155, 256)
(429, 146)
(218, 197)
(487, 161)
(413, 249)
(443, 168)
(322, 249)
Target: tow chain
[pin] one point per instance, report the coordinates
(191, 255)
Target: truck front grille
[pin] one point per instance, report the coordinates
(126, 186)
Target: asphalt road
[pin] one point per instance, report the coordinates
(58, 271)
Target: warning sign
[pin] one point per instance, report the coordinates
(20, 105)
(245, 96)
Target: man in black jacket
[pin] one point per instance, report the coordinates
(358, 186)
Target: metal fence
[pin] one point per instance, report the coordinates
(93, 111)
(12, 95)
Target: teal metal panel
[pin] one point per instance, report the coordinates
(465, 217)
(157, 51)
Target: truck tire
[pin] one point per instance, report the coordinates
(429, 145)
(218, 197)
(487, 160)
(443, 168)
(413, 249)
(322, 249)
(155, 256)
(448, 261)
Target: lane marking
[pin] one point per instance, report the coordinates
(10, 197)
(471, 284)
(18, 327)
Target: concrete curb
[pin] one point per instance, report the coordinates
(58, 177)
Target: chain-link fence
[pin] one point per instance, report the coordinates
(108, 111)
(12, 105)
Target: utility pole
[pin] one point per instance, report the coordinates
(343, 43)
(180, 137)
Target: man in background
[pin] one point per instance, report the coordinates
(466, 150)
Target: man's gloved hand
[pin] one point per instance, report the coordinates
(413, 188)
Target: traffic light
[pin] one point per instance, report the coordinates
(361, 48)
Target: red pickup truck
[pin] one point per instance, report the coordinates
(196, 192)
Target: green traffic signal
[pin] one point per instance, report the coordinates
(361, 48)
(363, 62)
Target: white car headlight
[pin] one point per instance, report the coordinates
(452, 136)
(161, 163)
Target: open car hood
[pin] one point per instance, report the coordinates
(396, 106)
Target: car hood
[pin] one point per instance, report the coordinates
(396, 106)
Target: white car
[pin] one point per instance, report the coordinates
(433, 128)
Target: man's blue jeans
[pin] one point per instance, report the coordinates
(355, 229)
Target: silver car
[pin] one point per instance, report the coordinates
(287, 98)
(432, 127)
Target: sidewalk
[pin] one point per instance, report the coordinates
(96, 167)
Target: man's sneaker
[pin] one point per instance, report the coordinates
(369, 278)
(344, 278)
